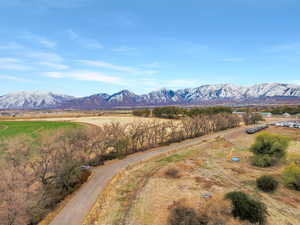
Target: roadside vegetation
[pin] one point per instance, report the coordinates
(202, 185)
(269, 149)
(36, 177)
(250, 118)
(175, 112)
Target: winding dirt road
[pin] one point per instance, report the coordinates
(79, 206)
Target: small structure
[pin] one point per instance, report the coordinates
(235, 159)
(266, 114)
(286, 114)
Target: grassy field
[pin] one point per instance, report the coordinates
(144, 193)
(32, 128)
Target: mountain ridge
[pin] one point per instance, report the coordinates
(205, 94)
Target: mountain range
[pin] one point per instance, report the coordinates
(206, 94)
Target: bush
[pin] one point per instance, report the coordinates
(181, 215)
(173, 173)
(246, 208)
(267, 183)
(142, 112)
(268, 149)
(262, 161)
(252, 118)
(291, 176)
(169, 112)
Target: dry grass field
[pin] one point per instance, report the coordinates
(143, 194)
(101, 120)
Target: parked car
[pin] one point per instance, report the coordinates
(253, 130)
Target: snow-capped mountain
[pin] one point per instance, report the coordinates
(205, 94)
(32, 100)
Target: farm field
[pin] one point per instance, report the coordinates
(101, 120)
(32, 128)
(144, 193)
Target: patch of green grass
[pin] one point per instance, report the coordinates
(175, 157)
(32, 128)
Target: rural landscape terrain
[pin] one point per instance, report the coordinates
(166, 165)
(161, 112)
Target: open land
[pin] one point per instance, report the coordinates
(143, 193)
(31, 128)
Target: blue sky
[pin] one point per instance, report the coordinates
(82, 47)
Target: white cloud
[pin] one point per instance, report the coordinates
(13, 78)
(56, 66)
(106, 65)
(45, 56)
(85, 42)
(152, 65)
(11, 46)
(41, 40)
(12, 64)
(110, 66)
(284, 48)
(86, 76)
(234, 59)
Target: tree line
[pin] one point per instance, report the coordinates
(175, 112)
(37, 175)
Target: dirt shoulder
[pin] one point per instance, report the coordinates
(80, 205)
(142, 194)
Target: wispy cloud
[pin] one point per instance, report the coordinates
(290, 47)
(11, 46)
(44, 56)
(13, 78)
(40, 40)
(106, 65)
(152, 65)
(84, 42)
(87, 76)
(12, 64)
(110, 66)
(56, 66)
(233, 59)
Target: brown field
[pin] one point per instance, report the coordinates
(101, 120)
(143, 194)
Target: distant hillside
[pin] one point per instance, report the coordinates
(205, 94)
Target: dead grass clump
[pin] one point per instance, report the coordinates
(217, 211)
(173, 173)
(182, 215)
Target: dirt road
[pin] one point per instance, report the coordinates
(81, 203)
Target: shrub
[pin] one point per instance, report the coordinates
(217, 211)
(142, 112)
(267, 183)
(291, 176)
(169, 112)
(262, 161)
(252, 118)
(173, 173)
(246, 208)
(268, 149)
(182, 215)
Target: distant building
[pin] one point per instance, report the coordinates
(7, 114)
(286, 114)
(266, 114)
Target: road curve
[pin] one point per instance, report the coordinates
(81, 203)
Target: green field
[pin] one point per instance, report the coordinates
(31, 128)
